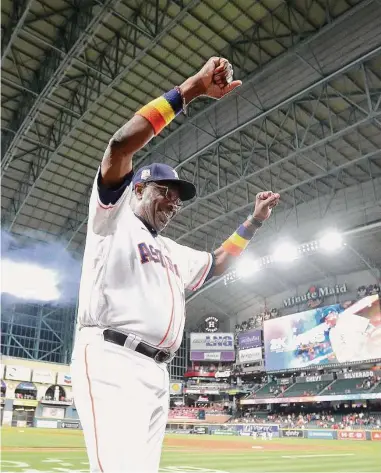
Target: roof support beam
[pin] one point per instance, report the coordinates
(20, 11)
(65, 125)
(80, 28)
(269, 154)
(370, 265)
(270, 70)
(264, 113)
(276, 167)
(287, 189)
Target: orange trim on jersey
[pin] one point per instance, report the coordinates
(177, 334)
(173, 308)
(93, 411)
(180, 324)
(204, 274)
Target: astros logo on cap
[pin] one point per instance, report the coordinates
(145, 174)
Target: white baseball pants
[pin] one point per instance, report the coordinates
(122, 398)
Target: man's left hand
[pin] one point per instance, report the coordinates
(264, 203)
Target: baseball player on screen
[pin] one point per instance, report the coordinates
(131, 304)
(352, 336)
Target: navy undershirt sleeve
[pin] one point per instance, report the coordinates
(211, 270)
(111, 195)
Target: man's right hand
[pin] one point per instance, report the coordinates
(214, 80)
(217, 78)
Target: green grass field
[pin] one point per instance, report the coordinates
(38, 450)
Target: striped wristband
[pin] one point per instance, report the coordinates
(161, 111)
(238, 242)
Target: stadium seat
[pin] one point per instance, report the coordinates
(346, 386)
(305, 389)
(264, 391)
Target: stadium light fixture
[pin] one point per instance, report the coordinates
(308, 248)
(285, 252)
(331, 241)
(246, 267)
(28, 281)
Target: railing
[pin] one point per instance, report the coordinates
(269, 431)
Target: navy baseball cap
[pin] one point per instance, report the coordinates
(327, 312)
(157, 172)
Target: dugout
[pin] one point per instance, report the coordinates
(24, 405)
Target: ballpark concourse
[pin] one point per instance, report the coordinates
(210, 157)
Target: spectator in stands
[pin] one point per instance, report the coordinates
(325, 420)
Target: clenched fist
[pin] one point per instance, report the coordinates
(214, 80)
(264, 203)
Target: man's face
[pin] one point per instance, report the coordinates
(331, 319)
(158, 203)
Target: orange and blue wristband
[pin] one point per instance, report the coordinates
(161, 111)
(238, 242)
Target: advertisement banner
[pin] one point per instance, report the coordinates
(322, 336)
(351, 435)
(314, 379)
(224, 432)
(376, 435)
(44, 376)
(207, 342)
(212, 356)
(18, 373)
(200, 430)
(335, 397)
(64, 379)
(251, 354)
(73, 424)
(292, 433)
(223, 374)
(46, 424)
(315, 295)
(320, 434)
(355, 375)
(250, 339)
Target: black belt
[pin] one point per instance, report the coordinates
(160, 356)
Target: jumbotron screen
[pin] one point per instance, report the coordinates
(324, 336)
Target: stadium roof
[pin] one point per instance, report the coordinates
(306, 121)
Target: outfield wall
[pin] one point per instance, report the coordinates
(266, 431)
(57, 424)
(273, 431)
(328, 434)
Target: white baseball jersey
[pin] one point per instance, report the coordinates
(348, 338)
(133, 281)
